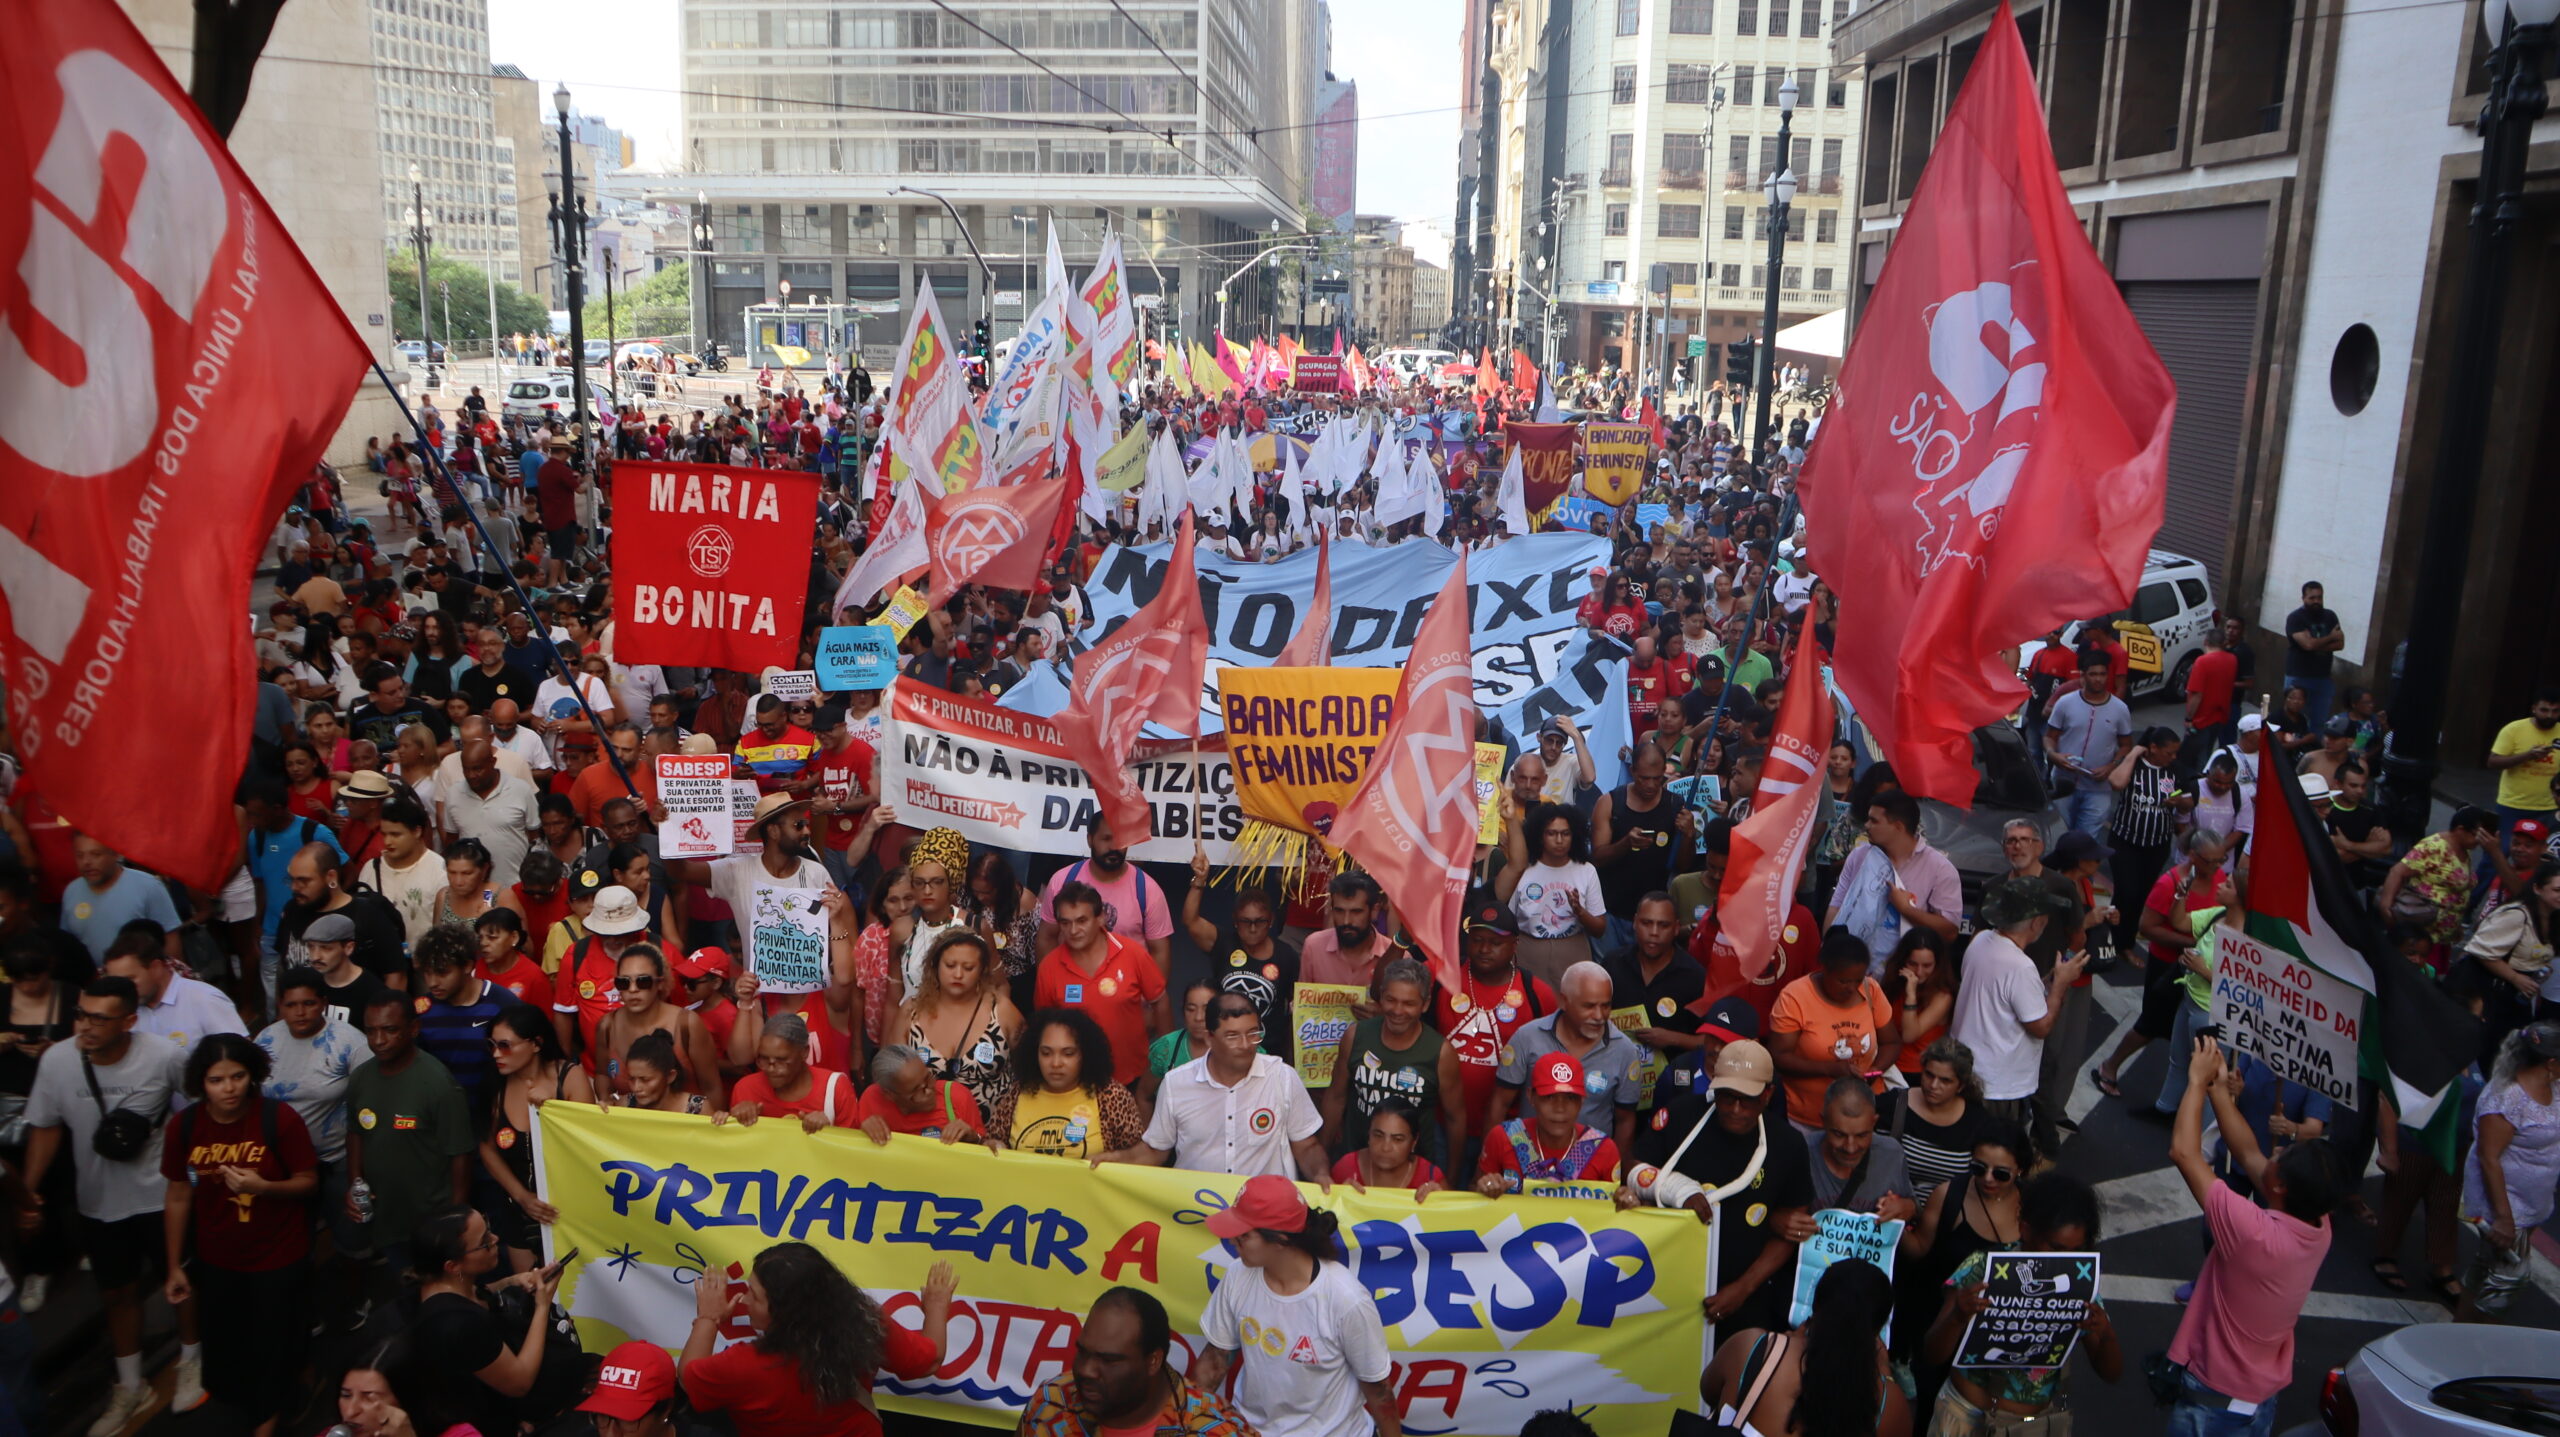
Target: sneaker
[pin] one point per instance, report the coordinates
(31, 1294)
(123, 1405)
(186, 1394)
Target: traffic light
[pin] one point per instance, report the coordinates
(984, 338)
(1738, 365)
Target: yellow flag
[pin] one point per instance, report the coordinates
(1123, 466)
(1206, 375)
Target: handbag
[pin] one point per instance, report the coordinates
(122, 1133)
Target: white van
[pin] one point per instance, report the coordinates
(538, 397)
(2163, 630)
(1411, 364)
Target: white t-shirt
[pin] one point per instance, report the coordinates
(1999, 995)
(503, 821)
(634, 685)
(1540, 902)
(1246, 1129)
(1304, 1355)
(735, 879)
(309, 1075)
(144, 1081)
(554, 701)
(412, 890)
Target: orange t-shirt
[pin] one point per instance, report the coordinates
(1815, 1028)
(1117, 996)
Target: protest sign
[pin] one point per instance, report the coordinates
(904, 608)
(856, 656)
(1699, 792)
(1648, 515)
(2287, 1014)
(1650, 1068)
(1594, 1308)
(743, 795)
(1613, 458)
(1002, 777)
(1299, 739)
(792, 686)
(710, 564)
(1317, 374)
(1840, 1235)
(1321, 1015)
(1489, 792)
(695, 790)
(789, 939)
(2037, 1301)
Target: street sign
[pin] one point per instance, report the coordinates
(1602, 289)
(1147, 301)
(1697, 346)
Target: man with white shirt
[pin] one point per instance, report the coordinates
(499, 809)
(509, 734)
(1237, 1110)
(2003, 1010)
(533, 767)
(180, 1009)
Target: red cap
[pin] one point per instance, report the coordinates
(2533, 830)
(703, 963)
(1264, 1202)
(1556, 1073)
(635, 1377)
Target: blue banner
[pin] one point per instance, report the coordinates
(1581, 511)
(1648, 515)
(856, 656)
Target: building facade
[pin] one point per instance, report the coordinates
(1382, 271)
(2282, 191)
(810, 135)
(1430, 299)
(435, 109)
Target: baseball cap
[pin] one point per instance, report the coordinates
(1710, 666)
(1268, 1202)
(330, 928)
(2251, 723)
(1744, 1067)
(1599, 573)
(2339, 726)
(2530, 830)
(1731, 1018)
(633, 1380)
(587, 879)
(703, 963)
(1489, 913)
(1556, 1073)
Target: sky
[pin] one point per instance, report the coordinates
(619, 59)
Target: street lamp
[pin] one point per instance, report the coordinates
(569, 234)
(703, 236)
(2522, 31)
(421, 221)
(1781, 192)
(987, 355)
(1708, 189)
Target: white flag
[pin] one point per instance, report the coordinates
(896, 551)
(1513, 498)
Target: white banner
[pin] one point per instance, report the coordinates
(2287, 1014)
(695, 790)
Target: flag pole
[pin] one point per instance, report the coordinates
(560, 664)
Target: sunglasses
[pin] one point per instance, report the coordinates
(1996, 1172)
(636, 982)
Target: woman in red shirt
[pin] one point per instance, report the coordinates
(1388, 1160)
(820, 1342)
(785, 1082)
(307, 790)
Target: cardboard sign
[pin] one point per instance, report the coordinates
(1649, 1071)
(856, 656)
(1322, 1014)
(2037, 1301)
(793, 686)
(787, 934)
(743, 794)
(695, 790)
(1839, 1236)
(905, 607)
(2287, 1014)
(1317, 374)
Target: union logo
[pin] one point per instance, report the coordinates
(979, 530)
(709, 551)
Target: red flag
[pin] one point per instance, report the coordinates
(1312, 645)
(1524, 375)
(1412, 821)
(1149, 668)
(1769, 847)
(993, 536)
(1652, 419)
(713, 563)
(170, 370)
(1999, 408)
(1546, 462)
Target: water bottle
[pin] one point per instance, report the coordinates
(360, 1197)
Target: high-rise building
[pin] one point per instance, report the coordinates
(1626, 134)
(1381, 284)
(435, 111)
(810, 133)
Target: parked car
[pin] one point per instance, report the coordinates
(1411, 363)
(2442, 1380)
(2164, 626)
(537, 397)
(598, 350)
(415, 350)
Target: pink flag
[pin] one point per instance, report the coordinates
(1769, 847)
(895, 554)
(1311, 646)
(1147, 669)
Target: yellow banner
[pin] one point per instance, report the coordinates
(1492, 1308)
(905, 607)
(1123, 466)
(1300, 739)
(1613, 457)
(1488, 793)
(1321, 1014)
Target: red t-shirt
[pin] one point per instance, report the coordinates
(1481, 1029)
(1498, 1156)
(947, 1097)
(538, 917)
(829, 1092)
(1644, 695)
(242, 1232)
(2201, 894)
(721, 1017)
(524, 978)
(764, 1396)
(2211, 679)
(1346, 1168)
(586, 989)
(1623, 622)
(844, 774)
(1115, 995)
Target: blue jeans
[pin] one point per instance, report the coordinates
(2202, 1412)
(2316, 695)
(2509, 817)
(2182, 1042)
(2086, 810)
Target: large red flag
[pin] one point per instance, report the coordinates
(1412, 821)
(170, 369)
(1769, 847)
(1524, 375)
(1312, 645)
(994, 535)
(1996, 460)
(1148, 669)
(712, 563)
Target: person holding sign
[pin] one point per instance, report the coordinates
(1827, 1378)
(1557, 1146)
(1854, 1166)
(2057, 1213)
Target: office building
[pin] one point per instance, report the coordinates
(434, 109)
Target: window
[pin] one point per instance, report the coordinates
(1682, 274)
(1615, 271)
(804, 226)
(1732, 277)
(1622, 159)
(1772, 80)
(1746, 21)
(1693, 17)
(1759, 276)
(1689, 84)
(1826, 228)
(1809, 22)
(1828, 182)
(1768, 160)
(1742, 83)
(1617, 219)
(1795, 224)
(1759, 225)
(1676, 222)
(1778, 17)
(1684, 154)
(1737, 161)
(1835, 95)
(1822, 279)
(1800, 160)
(2155, 604)
(1622, 85)
(1791, 277)
(1629, 13)
(1732, 224)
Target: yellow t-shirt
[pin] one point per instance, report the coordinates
(564, 934)
(1065, 1125)
(2528, 784)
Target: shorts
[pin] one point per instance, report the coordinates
(239, 897)
(563, 542)
(126, 1251)
(1956, 1417)
(2495, 1273)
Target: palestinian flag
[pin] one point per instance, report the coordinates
(2417, 1040)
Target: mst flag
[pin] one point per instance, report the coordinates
(712, 563)
(1413, 820)
(170, 368)
(1996, 460)
(1769, 846)
(2418, 1038)
(1146, 670)
(994, 534)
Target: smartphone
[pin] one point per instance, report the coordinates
(561, 1263)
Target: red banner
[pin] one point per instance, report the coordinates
(712, 563)
(1546, 462)
(1146, 670)
(1317, 374)
(170, 368)
(993, 535)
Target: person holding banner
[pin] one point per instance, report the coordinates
(642, 981)
(1740, 1167)
(820, 1344)
(1394, 1057)
(1238, 1110)
(786, 1083)
(2056, 1213)
(1063, 1101)
(1557, 1146)
(1313, 1351)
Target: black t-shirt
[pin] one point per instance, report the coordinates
(459, 1337)
(1269, 984)
(2299, 663)
(349, 1002)
(929, 668)
(482, 688)
(383, 729)
(1747, 1220)
(1742, 708)
(1666, 999)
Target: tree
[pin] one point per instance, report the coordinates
(468, 286)
(661, 305)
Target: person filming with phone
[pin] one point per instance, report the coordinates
(488, 1346)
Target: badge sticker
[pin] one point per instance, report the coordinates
(506, 1138)
(404, 1124)
(1789, 933)
(1755, 1214)
(1237, 959)
(1075, 992)
(1108, 986)
(1595, 1083)
(422, 1002)
(1515, 998)
(1661, 1119)
(365, 1119)
(1271, 970)
(1505, 1013)
(1664, 1006)
(586, 987)
(1461, 1003)
(1262, 1121)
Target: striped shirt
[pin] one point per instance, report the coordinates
(2142, 813)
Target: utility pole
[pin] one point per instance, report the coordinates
(1713, 191)
(1781, 190)
(569, 231)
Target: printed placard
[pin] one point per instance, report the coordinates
(854, 657)
(2285, 1013)
(793, 686)
(905, 607)
(787, 930)
(1489, 792)
(1322, 1014)
(695, 791)
(2037, 1301)
(743, 796)
(1649, 1071)
(1840, 1235)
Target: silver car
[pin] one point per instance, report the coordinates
(2443, 1380)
